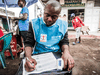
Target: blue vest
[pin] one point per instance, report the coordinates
(48, 38)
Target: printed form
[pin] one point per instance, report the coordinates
(45, 62)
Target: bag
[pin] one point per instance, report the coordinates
(85, 28)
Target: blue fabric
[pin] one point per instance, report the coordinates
(14, 3)
(72, 14)
(52, 35)
(24, 24)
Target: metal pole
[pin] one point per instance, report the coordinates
(7, 14)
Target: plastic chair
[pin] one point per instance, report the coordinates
(7, 39)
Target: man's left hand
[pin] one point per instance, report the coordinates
(68, 61)
(0, 27)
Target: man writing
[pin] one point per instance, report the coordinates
(50, 35)
(77, 24)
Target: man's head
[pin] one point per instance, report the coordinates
(21, 3)
(51, 12)
(64, 15)
(80, 13)
(73, 15)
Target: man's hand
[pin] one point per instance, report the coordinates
(68, 61)
(12, 18)
(0, 27)
(28, 65)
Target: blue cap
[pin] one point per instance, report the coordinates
(72, 14)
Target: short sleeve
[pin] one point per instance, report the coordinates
(25, 10)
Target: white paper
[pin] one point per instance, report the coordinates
(45, 62)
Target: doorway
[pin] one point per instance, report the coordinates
(77, 12)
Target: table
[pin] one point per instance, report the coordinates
(54, 72)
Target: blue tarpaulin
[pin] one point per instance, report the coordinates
(14, 3)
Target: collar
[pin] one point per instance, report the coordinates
(57, 23)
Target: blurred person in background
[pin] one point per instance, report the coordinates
(77, 24)
(23, 20)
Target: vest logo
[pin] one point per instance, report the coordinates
(43, 38)
(56, 37)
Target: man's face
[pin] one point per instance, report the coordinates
(50, 15)
(20, 4)
(73, 17)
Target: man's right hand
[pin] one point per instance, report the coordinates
(0, 27)
(28, 64)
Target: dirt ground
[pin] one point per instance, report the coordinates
(86, 56)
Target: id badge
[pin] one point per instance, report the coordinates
(43, 38)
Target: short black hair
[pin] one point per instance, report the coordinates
(24, 1)
(64, 15)
(54, 4)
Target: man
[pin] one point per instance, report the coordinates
(23, 22)
(77, 24)
(64, 17)
(50, 35)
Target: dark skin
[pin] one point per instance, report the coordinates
(0, 27)
(50, 17)
(25, 15)
(73, 17)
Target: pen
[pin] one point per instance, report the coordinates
(30, 61)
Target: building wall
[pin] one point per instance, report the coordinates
(91, 15)
(15, 10)
(65, 10)
(31, 11)
(40, 9)
(35, 10)
(99, 20)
